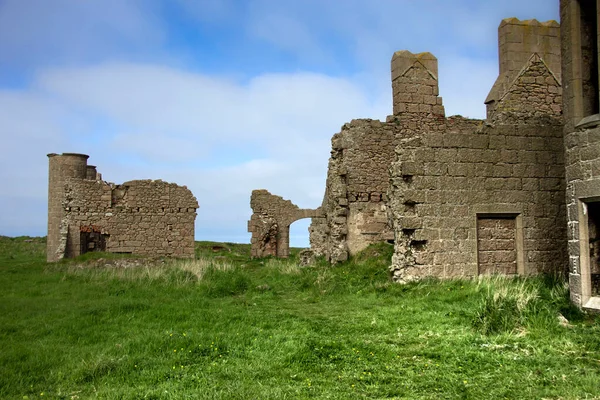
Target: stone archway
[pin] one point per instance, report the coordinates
(270, 223)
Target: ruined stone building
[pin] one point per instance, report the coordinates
(463, 197)
(141, 217)
(579, 19)
(457, 197)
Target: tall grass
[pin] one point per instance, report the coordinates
(514, 305)
(179, 272)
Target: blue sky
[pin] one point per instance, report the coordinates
(223, 96)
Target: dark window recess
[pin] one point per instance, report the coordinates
(92, 241)
(593, 210)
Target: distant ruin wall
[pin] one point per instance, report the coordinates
(140, 217)
(270, 223)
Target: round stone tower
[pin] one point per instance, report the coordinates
(61, 167)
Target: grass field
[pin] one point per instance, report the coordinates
(227, 327)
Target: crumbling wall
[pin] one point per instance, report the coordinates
(270, 223)
(357, 181)
(356, 202)
(141, 217)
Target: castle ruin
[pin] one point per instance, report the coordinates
(140, 217)
(515, 194)
(457, 197)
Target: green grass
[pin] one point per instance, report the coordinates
(224, 326)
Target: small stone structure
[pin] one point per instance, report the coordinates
(581, 111)
(140, 217)
(270, 223)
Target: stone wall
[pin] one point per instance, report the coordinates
(445, 184)
(141, 217)
(521, 43)
(270, 223)
(455, 179)
(356, 202)
(579, 38)
(357, 182)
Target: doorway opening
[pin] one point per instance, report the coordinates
(299, 236)
(497, 244)
(591, 242)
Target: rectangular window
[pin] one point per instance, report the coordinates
(589, 56)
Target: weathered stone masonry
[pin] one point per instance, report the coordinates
(458, 197)
(270, 223)
(356, 194)
(580, 33)
(141, 217)
(472, 197)
(467, 197)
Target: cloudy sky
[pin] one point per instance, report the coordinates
(223, 96)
